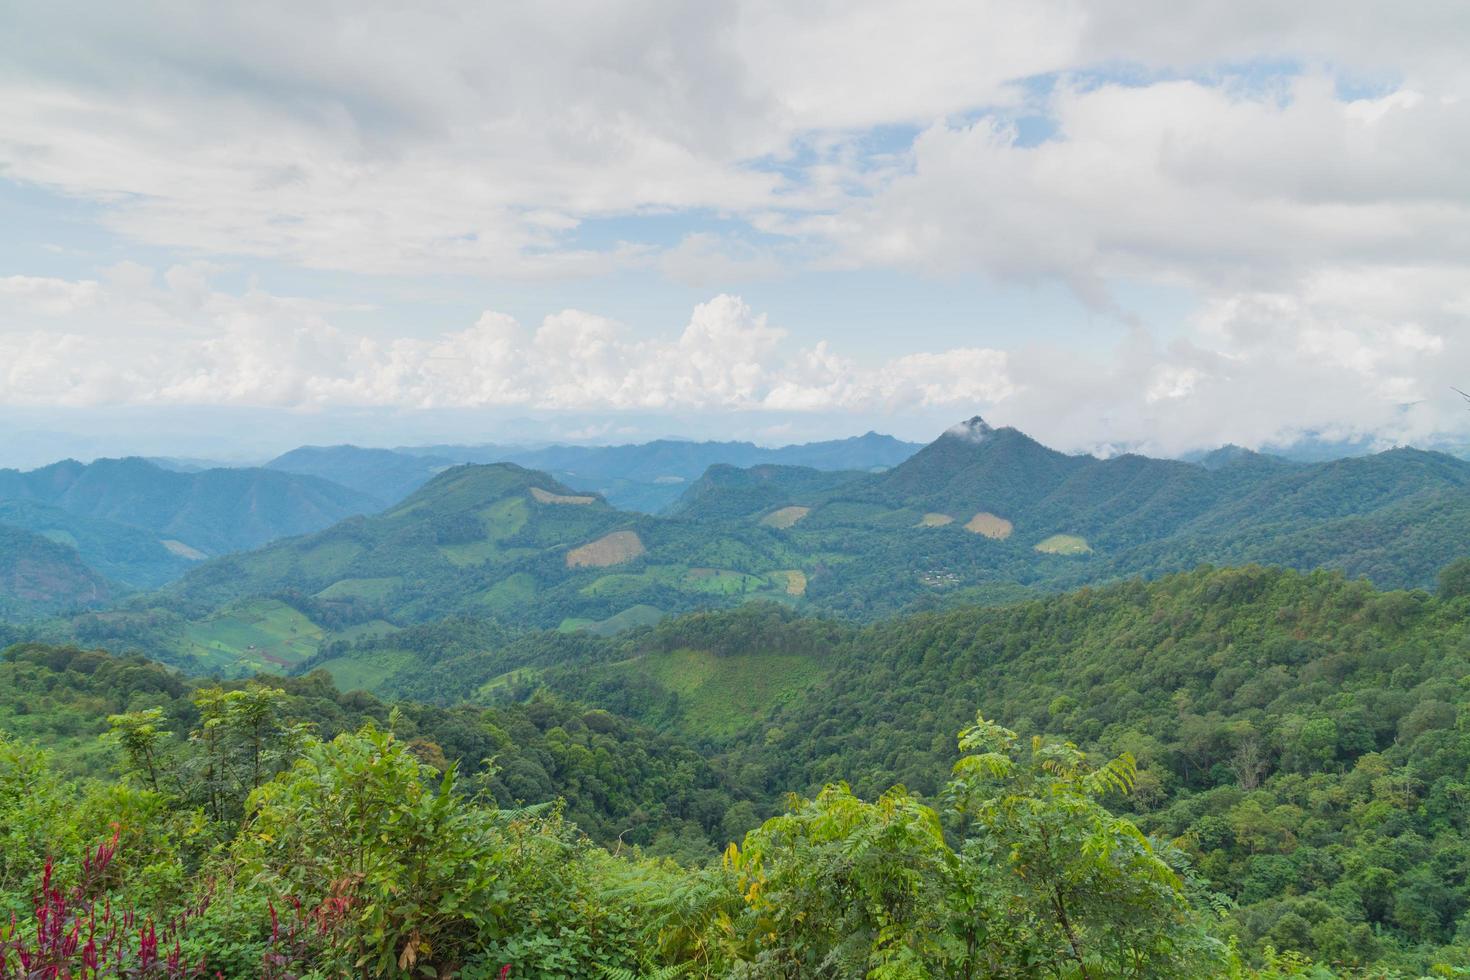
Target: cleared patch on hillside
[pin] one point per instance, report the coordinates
(509, 592)
(722, 581)
(610, 549)
(1064, 544)
(785, 517)
(505, 517)
(366, 670)
(990, 526)
(795, 580)
(935, 520)
(258, 634)
(373, 589)
(721, 695)
(183, 550)
(547, 497)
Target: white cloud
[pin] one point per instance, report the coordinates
(205, 346)
(1177, 181)
(1349, 353)
(1323, 234)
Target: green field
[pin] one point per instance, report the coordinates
(720, 696)
(365, 670)
(375, 589)
(639, 615)
(255, 635)
(1064, 544)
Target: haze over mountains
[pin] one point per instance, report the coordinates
(645, 477)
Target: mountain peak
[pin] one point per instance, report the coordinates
(974, 429)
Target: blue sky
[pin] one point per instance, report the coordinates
(225, 232)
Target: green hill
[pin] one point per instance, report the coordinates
(649, 477)
(38, 576)
(120, 552)
(981, 515)
(211, 511)
(1301, 736)
(383, 474)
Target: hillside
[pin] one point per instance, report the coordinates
(725, 492)
(211, 511)
(120, 552)
(981, 515)
(383, 474)
(649, 477)
(489, 541)
(1300, 736)
(39, 576)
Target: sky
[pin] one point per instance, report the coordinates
(226, 230)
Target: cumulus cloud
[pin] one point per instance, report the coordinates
(1296, 168)
(212, 347)
(1177, 181)
(1344, 357)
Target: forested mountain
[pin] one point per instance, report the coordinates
(120, 552)
(981, 515)
(383, 474)
(1293, 745)
(725, 492)
(211, 511)
(39, 576)
(1300, 736)
(649, 477)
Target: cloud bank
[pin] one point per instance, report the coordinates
(1297, 169)
(1341, 359)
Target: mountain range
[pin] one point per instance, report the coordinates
(138, 525)
(647, 477)
(981, 514)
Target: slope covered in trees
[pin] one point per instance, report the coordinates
(210, 511)
(1301, 736)
(38, 575)
(256, 848)
(980, 516)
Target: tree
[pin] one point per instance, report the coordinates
(1052, 882)
(142, 740)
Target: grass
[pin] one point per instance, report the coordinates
(1064, 544)
(996, 528)
(328, 558)
(935, 520)
(720, 696)
(373, 627)
(470, 553)
(722, 581)
(610, 549)
(487, 690)
(375, 589)
(509, 592)
(506, 517)
(638, 615)
(365, 670)
(785, 517)
(255, 635)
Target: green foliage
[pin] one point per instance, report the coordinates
(1048, 870)
(359, 859)
(477, 541)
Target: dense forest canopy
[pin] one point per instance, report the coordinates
(1270, 769)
